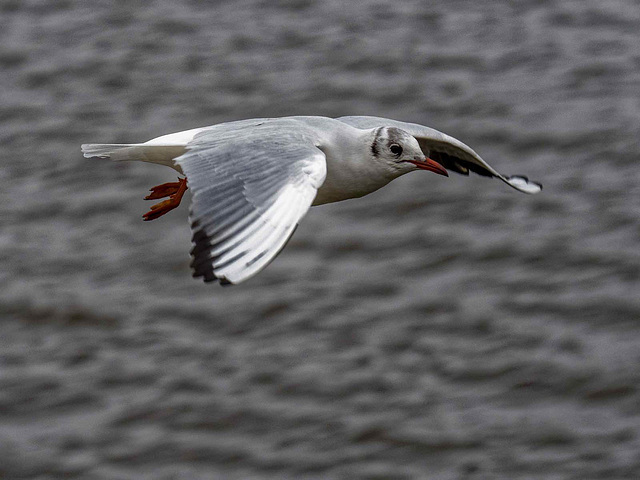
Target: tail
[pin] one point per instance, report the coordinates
(114, 151)
(122, 152)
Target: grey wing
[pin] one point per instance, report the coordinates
(250, 187)
(448, 151)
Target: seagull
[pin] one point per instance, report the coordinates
(253, 180)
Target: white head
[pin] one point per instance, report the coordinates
(401, 152)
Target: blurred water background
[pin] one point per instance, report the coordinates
(437, 329)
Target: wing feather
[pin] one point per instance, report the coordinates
(251, 185)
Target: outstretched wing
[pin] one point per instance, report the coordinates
(251, 184)
(448, 151)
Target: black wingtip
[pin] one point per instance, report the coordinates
(201, 263)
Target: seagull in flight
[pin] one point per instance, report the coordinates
(252, 181)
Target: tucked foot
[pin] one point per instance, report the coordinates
(164, 190)
(173, 190)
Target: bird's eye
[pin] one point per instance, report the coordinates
(396, 149)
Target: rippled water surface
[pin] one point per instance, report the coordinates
(439, 328)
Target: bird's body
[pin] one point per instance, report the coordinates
(253, 180)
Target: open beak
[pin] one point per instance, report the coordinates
(431, 165)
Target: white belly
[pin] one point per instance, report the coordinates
(344, 183)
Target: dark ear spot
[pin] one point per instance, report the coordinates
(374, 146)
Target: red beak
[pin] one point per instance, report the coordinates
(431, 165)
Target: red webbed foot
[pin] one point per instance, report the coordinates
(173, 190)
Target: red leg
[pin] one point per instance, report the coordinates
(173, 190)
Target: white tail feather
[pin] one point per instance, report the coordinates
(105, 150)
(121, 152)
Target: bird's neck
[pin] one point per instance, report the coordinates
(352, 170)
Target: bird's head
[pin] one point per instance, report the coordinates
(401, 151)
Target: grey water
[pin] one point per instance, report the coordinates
(437, 329)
